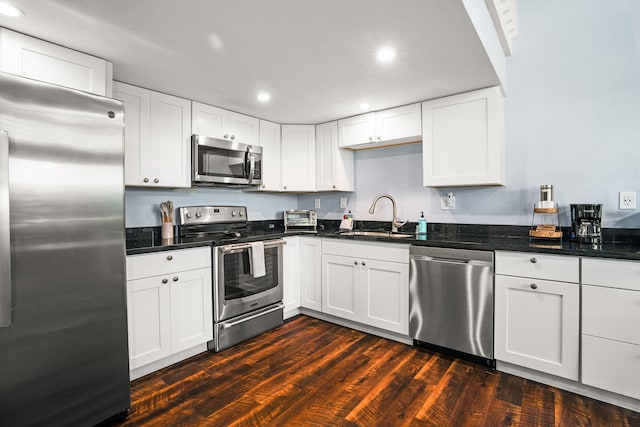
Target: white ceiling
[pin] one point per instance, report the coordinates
(317, 58)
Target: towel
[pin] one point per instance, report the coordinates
(257, 259)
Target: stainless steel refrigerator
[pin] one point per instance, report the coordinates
(63, 324)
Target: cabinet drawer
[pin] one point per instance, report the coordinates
(158, 263)
(611, 365)
(611, 273)
(611, 313)
(368, 250)
(538, 266)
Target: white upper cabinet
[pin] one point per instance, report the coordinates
(271, 156)
(224, 124)
(157, 137)
(298, 157)
(463, 139)
(334, 166)
(382, 128)
(48, 62)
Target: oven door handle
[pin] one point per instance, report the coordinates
(226, 325)
(240, 246)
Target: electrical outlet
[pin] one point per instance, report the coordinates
(627, 199)
(317, 204)
(447, 201)
(343, 202)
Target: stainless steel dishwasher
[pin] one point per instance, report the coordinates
(451, 301)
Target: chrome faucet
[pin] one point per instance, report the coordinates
(394, 222)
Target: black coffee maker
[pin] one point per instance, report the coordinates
(585, 223)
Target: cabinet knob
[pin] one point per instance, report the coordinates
(379, 139)
(264, 186)
(169, 257)
(355, 262)
(285, 187)
(165, 280)
(370, 138)
(156, 180)
(533, 260)
(175, 278)
(233, 137)
(226, 135)
(334, 187)
(364, 263)
(534, 286)
(146, 180)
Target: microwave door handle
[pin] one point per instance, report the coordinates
(250, 164)
(6, 302)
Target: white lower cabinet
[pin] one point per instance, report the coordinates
(170, 312)
(372, 289)
(291, 276)
(610, 319)
(537, 321)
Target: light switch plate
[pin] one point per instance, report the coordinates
(343, 202)
(317, 204)
(447, 201)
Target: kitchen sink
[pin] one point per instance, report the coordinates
(377, 234)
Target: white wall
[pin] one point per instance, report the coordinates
(572, 120)
(142, 206)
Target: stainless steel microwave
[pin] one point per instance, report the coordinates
(225, 163)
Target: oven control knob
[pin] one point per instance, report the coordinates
(241, 213)
(198, 214)
(188, 215)
(234, 213)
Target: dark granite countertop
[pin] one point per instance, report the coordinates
(616, 243)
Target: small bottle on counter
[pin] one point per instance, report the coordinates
(422, 225)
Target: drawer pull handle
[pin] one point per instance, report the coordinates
(533, 260)
(175, 278)
(169, 257)
(534, 286)
(165, 280)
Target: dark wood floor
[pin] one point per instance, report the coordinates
(313, 373)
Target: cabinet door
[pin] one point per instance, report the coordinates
(298, 158)
(47, 62)
(537, 324)
(148, 320)
(210, 121)
(356, 130)
(326, 156)
(386, 295)
(271, 156)
(334, 166)
(401, 124)
(611, 365)
(191, 309)
(311, 273)
(341, 293)
(170, 134)
(244, 129)
(463, 139)
(136, 132)
(291, 276)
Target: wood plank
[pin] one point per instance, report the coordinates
(312, 373)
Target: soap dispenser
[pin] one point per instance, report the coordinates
(422, 224)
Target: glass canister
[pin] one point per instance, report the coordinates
(546, 193)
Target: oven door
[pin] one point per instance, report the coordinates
(236, 290)
(220, 162)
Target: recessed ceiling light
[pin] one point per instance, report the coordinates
(386, 54)
(10, 10)
(365, 105)
(263, 97)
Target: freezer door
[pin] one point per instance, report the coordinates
(63, 355)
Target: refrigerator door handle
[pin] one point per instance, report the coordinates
(6, 305)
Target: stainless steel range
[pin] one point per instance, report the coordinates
(247, 272)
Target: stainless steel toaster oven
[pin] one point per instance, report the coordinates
(300, 221)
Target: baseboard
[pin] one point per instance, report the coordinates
(404, 339)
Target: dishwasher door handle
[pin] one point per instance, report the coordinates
(452, 261)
